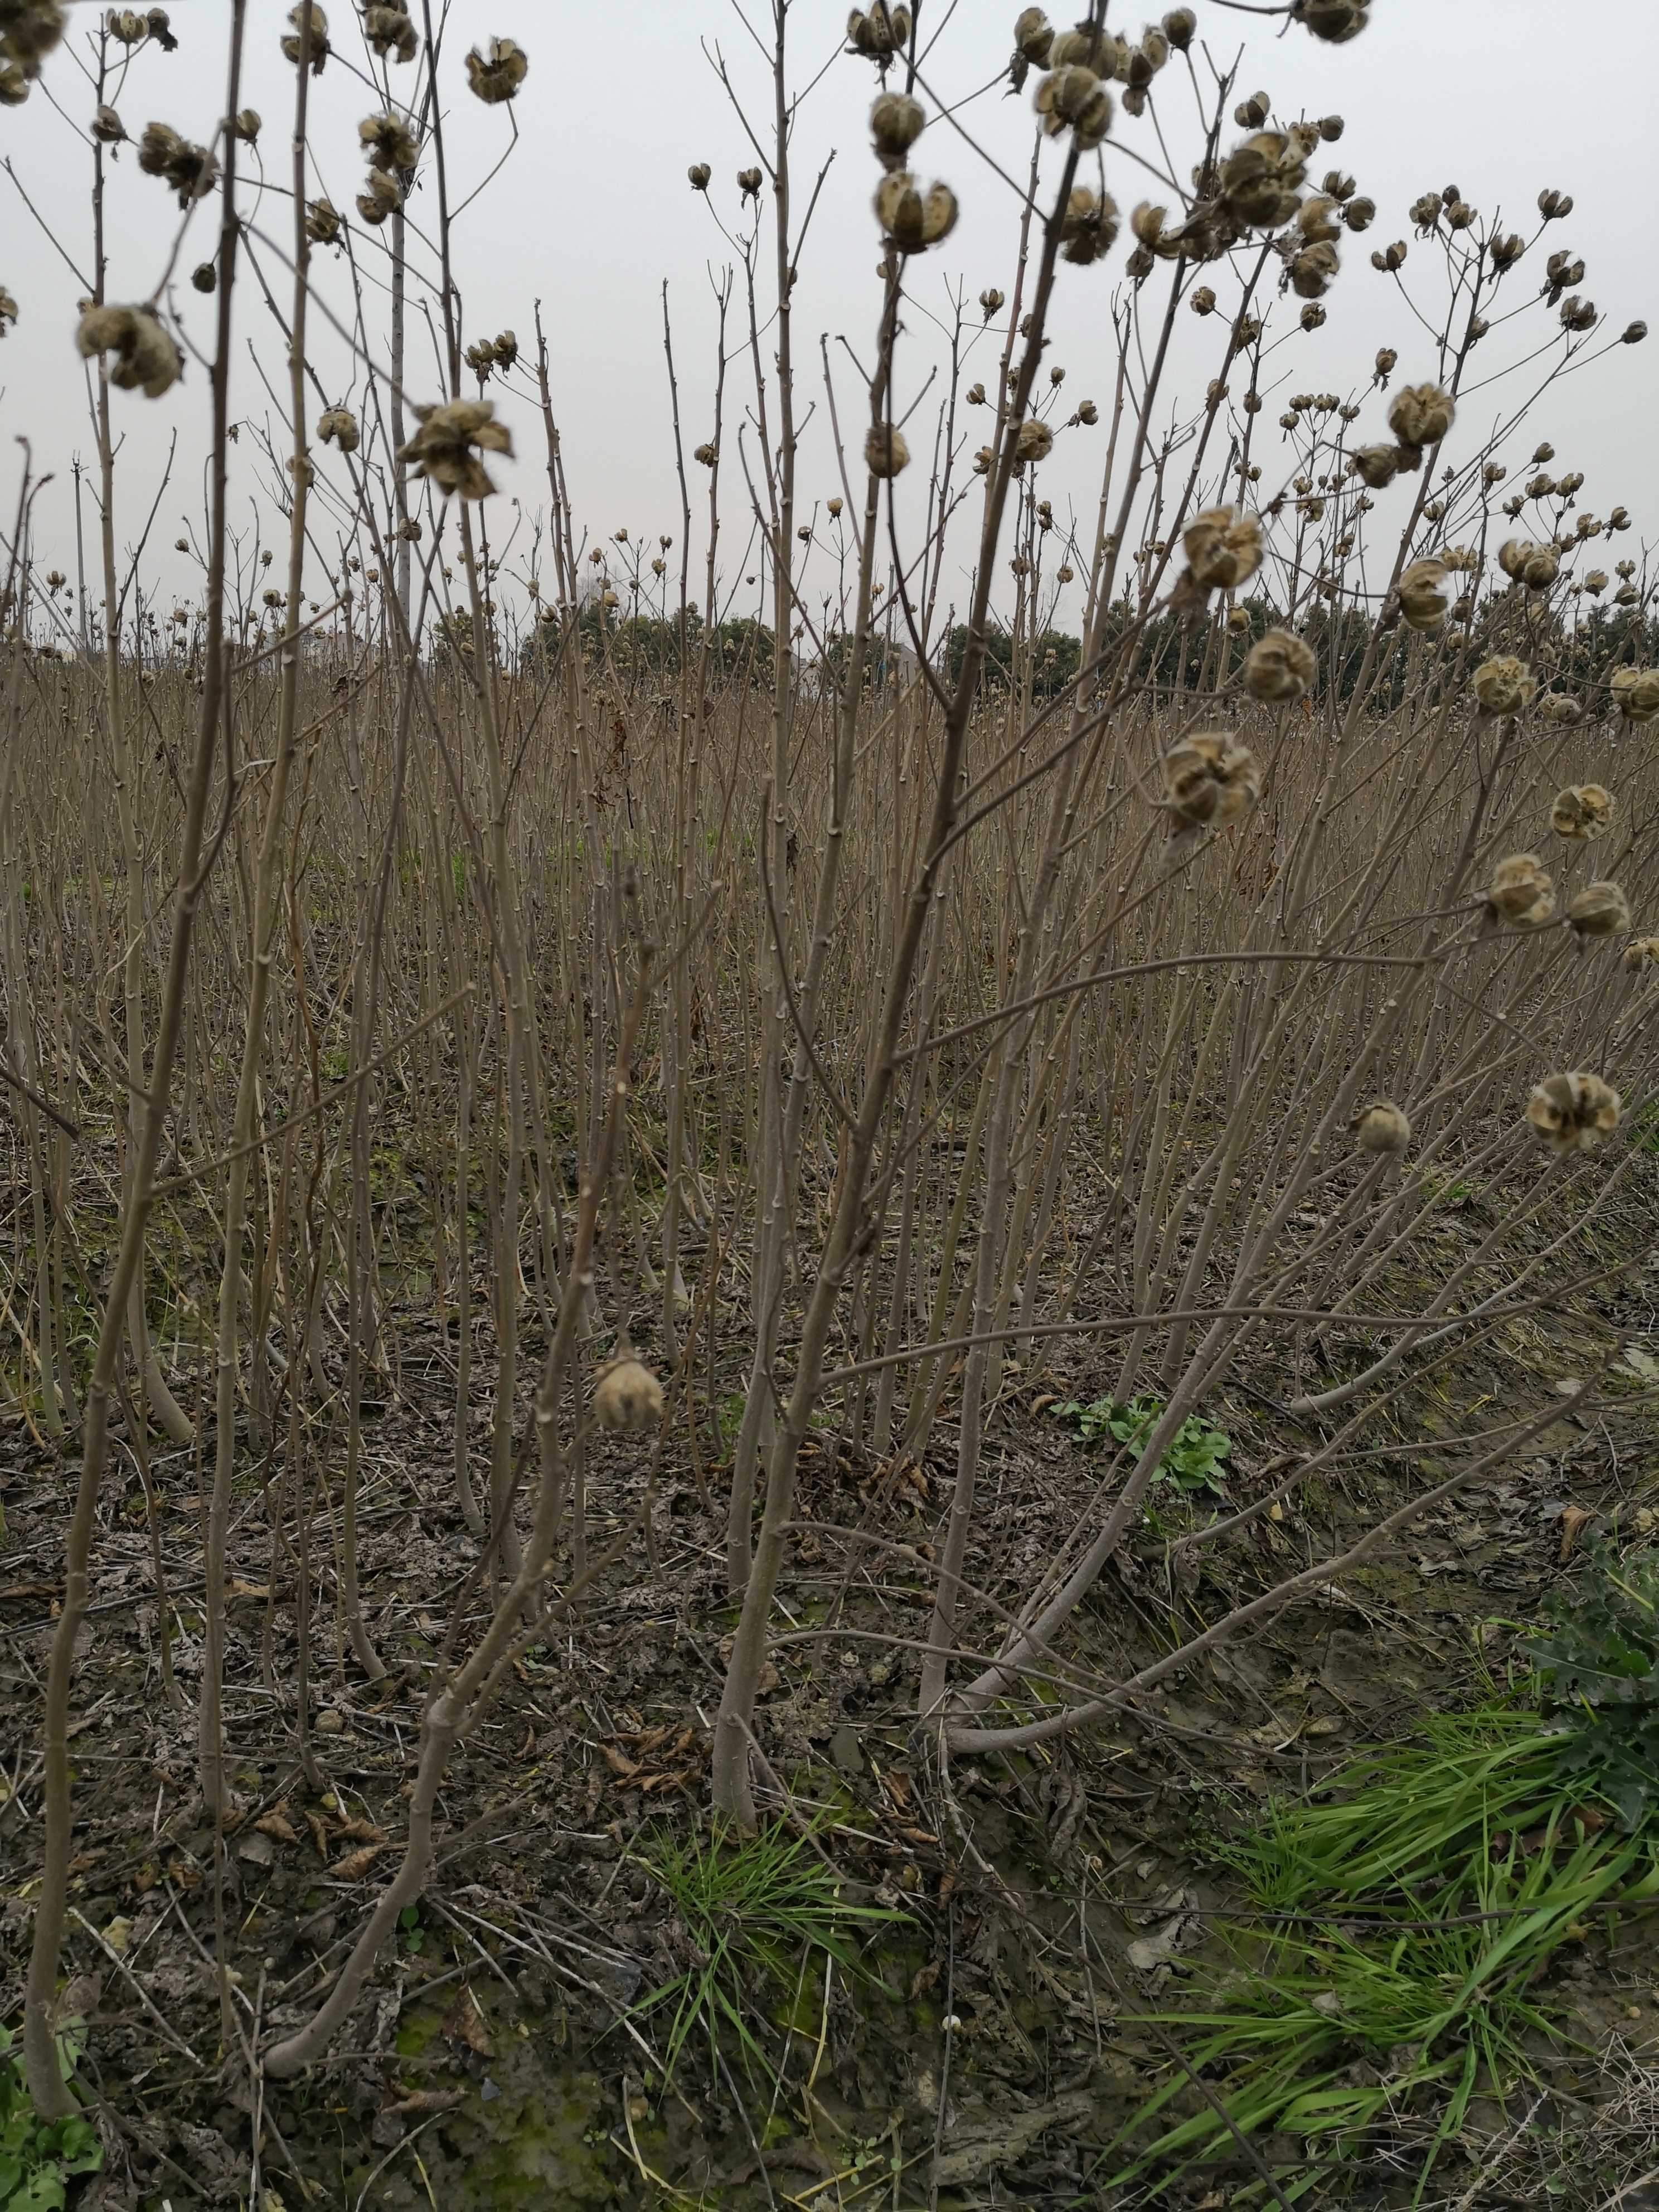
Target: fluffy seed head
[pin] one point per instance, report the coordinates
(1278, 667)
(627, 1395)
(1504, 686)
(1381, 1127)
(1421, 414)
(1521, 893)
(381, 197)
(1641, 952)
(446, 448)
(107, 127)
(338, 426)
(145, 357)
(1636, 694)
(1223, 549)
(389, 31)
(1089, 226)
(1072, 97)
(1599, 910)
(1560, 709)
(885, 450)
(294, 46)
(1573, 1113)
(496, 73)
(1034, 442)
(1582, 811)
(1425, 594)
(322, 222)
(1033, 36)
(1377, 465)
(388, 141)
(191, 170)
(1209, 781)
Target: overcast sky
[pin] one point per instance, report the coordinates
(592, 211)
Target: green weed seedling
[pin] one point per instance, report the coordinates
(39, 2157)
(1195, 1461)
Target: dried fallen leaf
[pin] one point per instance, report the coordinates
(465, 2023)
(619, 1762)
(320, 1834)
(424, 2100)
(1574, 1519)
(924, 1978)
(357, 1831)
(356, 1864)
(275, 1823)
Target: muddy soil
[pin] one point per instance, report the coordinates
(998, 2041)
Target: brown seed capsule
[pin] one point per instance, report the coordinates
(205, 277)
(338, 426)
(1376, 465)
(1313, 271)
(146, 358)
(1426, 595)
(1641, 952)
(1582, 811)
(1336, 21)
(1073, 98)
(749, 183)
(446, 447)
(705, 454)
(389, 31)
(322, 222)
(1033, 36)
(1599, 910)
(388, 141)
(1421, 414)
(1223, 549)
(627, 1395)
(381, 196)
(1504, 686)
(1521, 892)
(1381, 1127)
(1088, 226)
(700, 173)
(1209, 780)
(1573, 1113)
(7, 311)
(1562, 710)
(107, 127)
(497, 73)
(1278, 667)
(1180, 28)
(294, 47)
(1035, 442)
(911, 218)
(896, 123)
(885, 450)
(878, 32)
(1636, 694)
(192, 171)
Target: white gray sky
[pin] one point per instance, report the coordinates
(592, 211)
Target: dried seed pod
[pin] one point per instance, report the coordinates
(1561, 710)
(322, 222)
(749, 183)
(627, 1394)
(707, 454)
(1577, 315)
(911, 219)
(126, 27)
(1180, 28)
(29, 30)
(700, 173)
(1313, 271)
(1086, 46)
(389, 31)
(1253, 111)
(1381, 1127)
(107, 127)
(7, 311)
(1278, 667)
(1033, 36)
(885, 450)
(205, 277)
(388, 141)
(1599, 910)
(1504, 686)
(1421, 414)
(1376, 465)
(1636, 693)
(1582, 811)
(146, 358)
(878, 32)
(192, 170)
(1633, 333)
(1223, 549)
(381, 196)
(1640, 952)
(497, 74)
(1033, 441)
(1073, 98)
(1521, 893)
(1425, 594)
(1336, 21)
(294, 46)
(446, 447)
(1573, 1113)
(896, 123)
(990, 299)
(1088, 414)
(1089, 226)
(1209, 780)
(1258, 179)
(338, 426)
